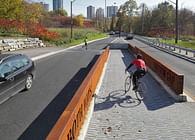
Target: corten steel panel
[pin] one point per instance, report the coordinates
(172, 78)
(71, 120)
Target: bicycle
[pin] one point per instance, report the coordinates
(140, 91)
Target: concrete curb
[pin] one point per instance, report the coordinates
(85, 125)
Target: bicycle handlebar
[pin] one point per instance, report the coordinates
(130, 71)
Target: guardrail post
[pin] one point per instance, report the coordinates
(186, 52)
(174, 48)
(179, 50)
(169, 46)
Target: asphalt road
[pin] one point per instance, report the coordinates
(30, 115)
(180, 65)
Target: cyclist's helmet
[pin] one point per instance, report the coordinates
(139, 56)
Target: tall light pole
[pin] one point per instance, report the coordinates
(71, 24)
(176, 20)
(105, 17)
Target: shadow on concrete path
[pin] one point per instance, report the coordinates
(117, 97)
(157, 96)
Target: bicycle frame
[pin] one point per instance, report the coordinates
(141, 89)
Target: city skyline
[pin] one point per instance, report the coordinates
(90, 11)
(80, 6)
(58, 4)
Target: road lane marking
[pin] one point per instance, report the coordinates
(114, 40)
(190, 98)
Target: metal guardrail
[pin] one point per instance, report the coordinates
(169, 47)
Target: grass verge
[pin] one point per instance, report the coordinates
(187, 44)
(78, 36)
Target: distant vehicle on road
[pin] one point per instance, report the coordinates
(17, 72)
(129, 36)
(116, 32)
(111, 32)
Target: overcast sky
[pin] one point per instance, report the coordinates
(80, 6)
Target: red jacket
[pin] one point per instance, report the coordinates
(139, 63)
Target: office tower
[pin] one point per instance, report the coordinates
(57, 4)
(100, 13)
(112, 11)
(45, 6)
(90, 12)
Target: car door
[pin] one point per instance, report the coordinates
(18, 73)
(6, 82)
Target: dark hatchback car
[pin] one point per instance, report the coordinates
(17, 72)
(129, 36)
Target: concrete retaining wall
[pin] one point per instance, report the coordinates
(15, 44)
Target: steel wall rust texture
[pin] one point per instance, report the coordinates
(70, 122)
(172, 78)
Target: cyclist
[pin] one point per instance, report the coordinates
(140, 69)
(85, 40)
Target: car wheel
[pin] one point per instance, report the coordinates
(28, 83)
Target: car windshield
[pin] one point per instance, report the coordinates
(5, 70)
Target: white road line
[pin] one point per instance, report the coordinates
(114, 40)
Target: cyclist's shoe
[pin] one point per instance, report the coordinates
(135, 87)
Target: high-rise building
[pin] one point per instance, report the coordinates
(112, 11)
(57, 4)
(100, 13)
(45, 6)
(90, 12)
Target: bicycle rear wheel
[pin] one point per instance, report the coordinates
(127, 83)
(141, 92)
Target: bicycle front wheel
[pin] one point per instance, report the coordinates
(141, 92)
(127, 84)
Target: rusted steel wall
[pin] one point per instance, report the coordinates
(172, 78)
(69, 124)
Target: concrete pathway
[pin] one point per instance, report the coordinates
(120, 116)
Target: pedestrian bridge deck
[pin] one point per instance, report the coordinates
(119, 115)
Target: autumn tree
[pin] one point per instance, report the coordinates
(186, 22)
(10, 9)
(142, 22)
(129, 8)
(31, 12)
(113, 23)
(122, 17)
(79, 20)
(61, 12)
(163, 15)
